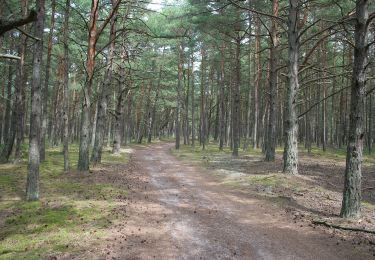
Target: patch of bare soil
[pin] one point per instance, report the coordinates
(314, 197)
(176, 210)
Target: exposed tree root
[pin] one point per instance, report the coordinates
(324, 223)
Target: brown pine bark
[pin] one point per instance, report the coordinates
(84, 144)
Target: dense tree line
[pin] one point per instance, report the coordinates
(243, 74)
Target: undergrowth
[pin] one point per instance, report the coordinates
(72, 214)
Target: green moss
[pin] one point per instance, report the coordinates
(367, 204)
(72, 214)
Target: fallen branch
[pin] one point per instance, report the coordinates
(324, 223)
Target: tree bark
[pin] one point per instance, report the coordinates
(45, 96)
(236, 113)
(179, 98)
(66, 88)
(10, 121)
(192, 102)
(84, 143)
(203, 100)
(20, 89)
(101, 121)
(351, 202)
(270, 144)
(222, 99)
(153, 113)
(291, 120)
(258, 76)
(32, 185)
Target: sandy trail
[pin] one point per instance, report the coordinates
(189, 215)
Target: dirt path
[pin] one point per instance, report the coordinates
(184, 213)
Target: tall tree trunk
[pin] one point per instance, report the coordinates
(10, 123)
(351, 202)
(66, 88)
(291, 120)
(192, 102)
(270, 143)
(153, 113)
(258, 76)
(119, 109)
(32, 185)
(20, 89)
(101, 121)
(84, 143)
(369, 137)
(236, 113)
(117, 123)
(179, 98)
(45, 97)
(203, 99)
(222, 99)
(186, 107)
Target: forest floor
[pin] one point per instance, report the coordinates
(153, 202)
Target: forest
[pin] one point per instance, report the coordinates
(187, 129)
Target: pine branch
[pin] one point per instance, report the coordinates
(7, 26)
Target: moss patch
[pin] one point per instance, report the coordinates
(74, 211)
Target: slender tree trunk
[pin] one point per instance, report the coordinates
(351, 203)
(236, 113)
(117, 123)
(369, 141)
(222, 99)
(203, 99)
(186, 109)
(101, 121)
(258, 76)
(192, 103)
(153, 113)
(20, 89)
(10, 120)
(270, 144)
(179, 98)
(84, 143)
(45, 97)
(66, 88)
(32, 185)
(291, 120)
